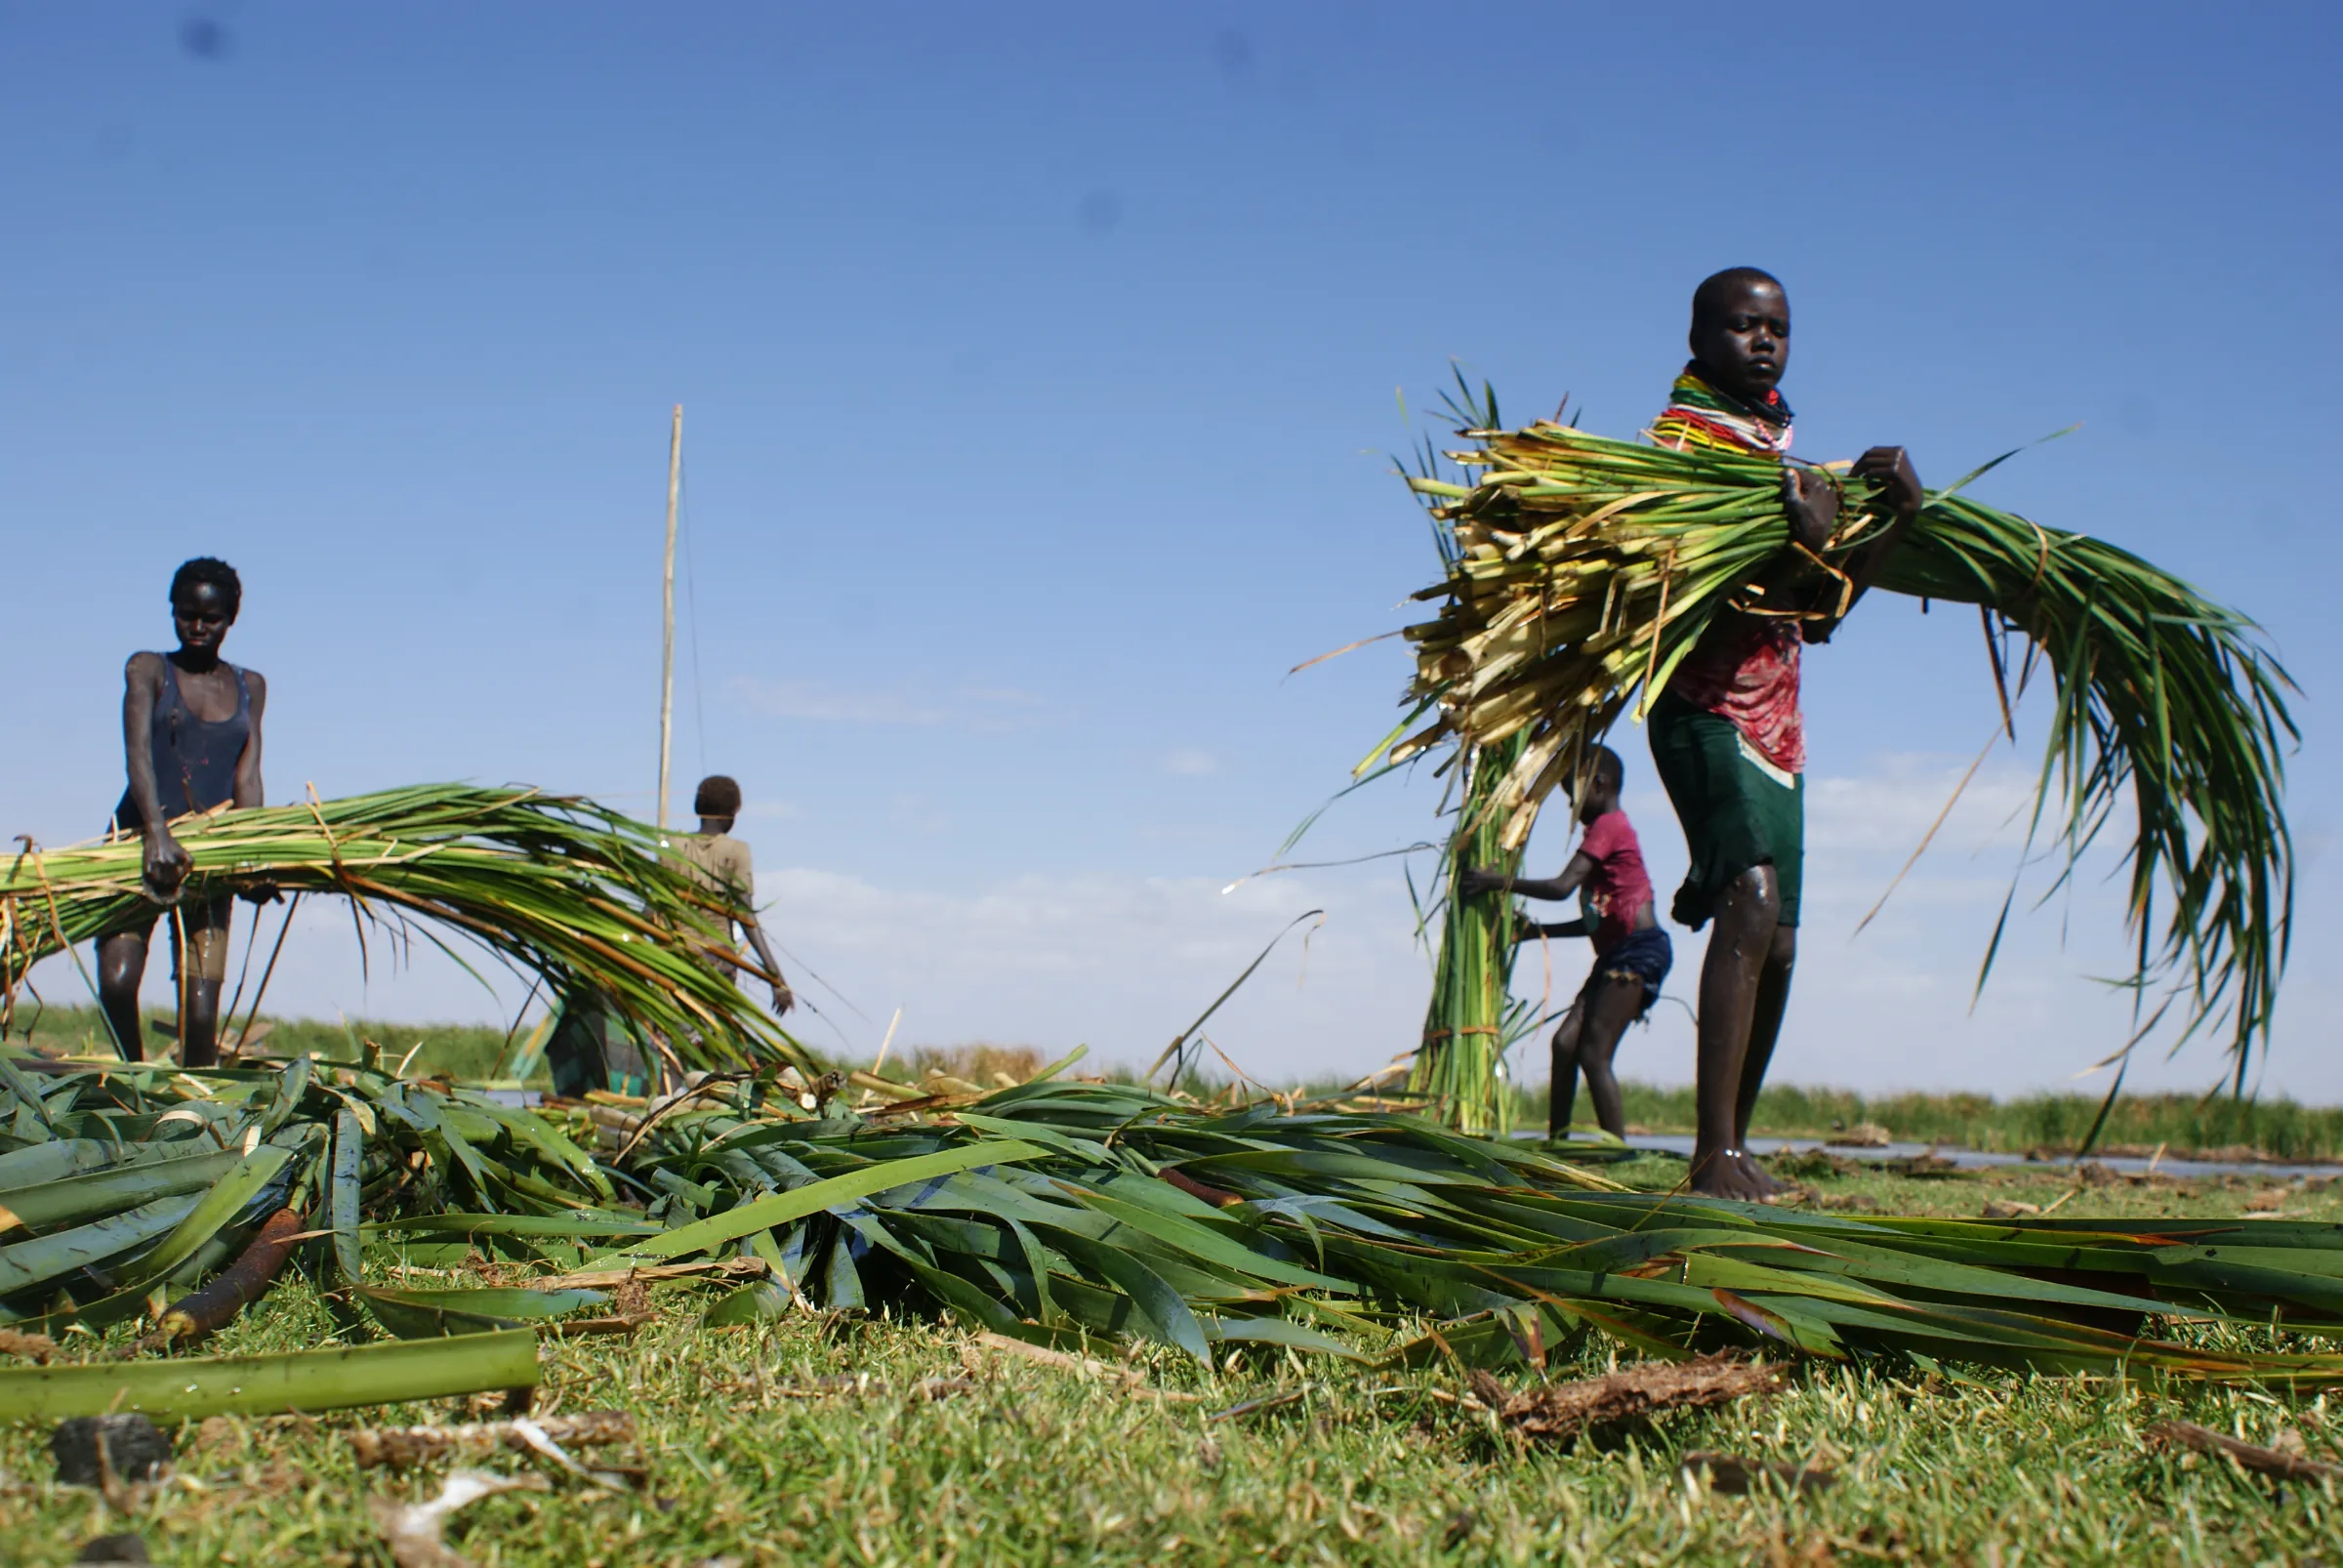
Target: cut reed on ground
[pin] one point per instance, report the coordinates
(1056, 1212)
(1583, 570)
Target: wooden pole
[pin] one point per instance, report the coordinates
(667, 590)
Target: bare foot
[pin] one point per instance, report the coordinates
(1725, 1174)
(1766, 1184)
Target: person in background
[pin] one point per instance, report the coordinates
(1633, 955)
(724, 865)
(592, 1048)
(190, 742)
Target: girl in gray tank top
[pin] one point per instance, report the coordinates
(195, 761)
(190, 741)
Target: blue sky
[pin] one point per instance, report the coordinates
(1040, 368)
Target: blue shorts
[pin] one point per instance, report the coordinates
(1645, 956)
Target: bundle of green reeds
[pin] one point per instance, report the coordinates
(1583, 570)
(1473, 1018)
(554, 885)
(1053, 1211)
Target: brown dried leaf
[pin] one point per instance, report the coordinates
(1647, 1388)
(2287, 1467)
(31, 1346)
(616, 1323)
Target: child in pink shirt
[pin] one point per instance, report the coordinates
(1632, 953)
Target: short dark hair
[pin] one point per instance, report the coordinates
(1709, 297)
(1604, 762)
(215, 571)
(718, 796)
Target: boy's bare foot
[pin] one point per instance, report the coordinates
(1727, 1174)
(1757, 1174)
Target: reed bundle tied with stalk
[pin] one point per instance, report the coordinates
(554, 885)
(1582, 570)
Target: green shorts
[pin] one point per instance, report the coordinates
(1736, 812)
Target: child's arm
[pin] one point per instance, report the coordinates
(1531, 930)
(1474, 880)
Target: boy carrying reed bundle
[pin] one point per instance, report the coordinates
(1727, 734)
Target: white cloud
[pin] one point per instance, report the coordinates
(1120, 964)
(1891, 809)
(1190, 762)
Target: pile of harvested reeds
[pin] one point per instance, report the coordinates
(1052, 1211)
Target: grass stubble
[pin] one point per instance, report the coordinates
(845, 1439)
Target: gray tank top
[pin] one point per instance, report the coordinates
(194, 761)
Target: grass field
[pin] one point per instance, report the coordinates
(850, 1440)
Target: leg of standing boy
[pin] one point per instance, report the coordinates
(1612, 1004)
(1589, 1037)
(1562, 1086)
(1730, 1060)
(121, 965)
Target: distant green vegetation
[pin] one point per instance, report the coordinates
(459, 1050)
(2184, 1124)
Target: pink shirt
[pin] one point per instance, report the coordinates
(1617, 886)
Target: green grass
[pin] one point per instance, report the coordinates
(810, 1440)
(462, 1049)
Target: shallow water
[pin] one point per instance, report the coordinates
(1681, 1144)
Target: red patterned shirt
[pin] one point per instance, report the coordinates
(1745, 668)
